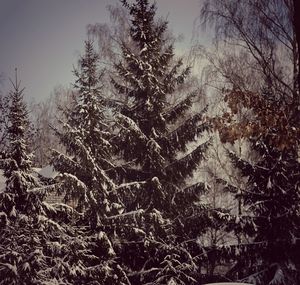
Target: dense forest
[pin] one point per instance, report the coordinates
(163, 174)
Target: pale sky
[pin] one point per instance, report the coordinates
(43, 38)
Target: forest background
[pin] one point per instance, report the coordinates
(168, 173)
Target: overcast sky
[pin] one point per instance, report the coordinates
(43, 38)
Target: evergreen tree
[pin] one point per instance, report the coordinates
(3, 124)
(269, 119)
(36, 244)
(20, 205)
(270, 220)
(85, 137)
(17, 166)
(166, 214)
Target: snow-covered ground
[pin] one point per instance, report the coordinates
(47, 171)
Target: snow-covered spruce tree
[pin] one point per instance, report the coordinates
(271, 200)
(82, 177)
(36, 246)
(20, 260)
(17, 166)
(21, 208)
(271, 220)
(3, 124)
(153, 140)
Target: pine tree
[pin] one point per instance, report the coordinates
(86, 138)
(165, 211)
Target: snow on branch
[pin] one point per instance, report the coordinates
(63, 163)
(131, 127)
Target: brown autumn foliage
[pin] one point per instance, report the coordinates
(270, 119)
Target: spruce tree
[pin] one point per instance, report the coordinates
(22, 212)
(17, 166)
(270, 220)
(167, 214)
(3, 124)
(36, 244)
(20, 205)
(86, 138)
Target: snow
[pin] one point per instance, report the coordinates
(26, 266)
(172, 282)
(12, 268)
(48, 172)
(129, 185)
(2, 181)
(13, 212)
(269, 185)
(228, 283)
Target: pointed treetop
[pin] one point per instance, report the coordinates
(16, 84)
